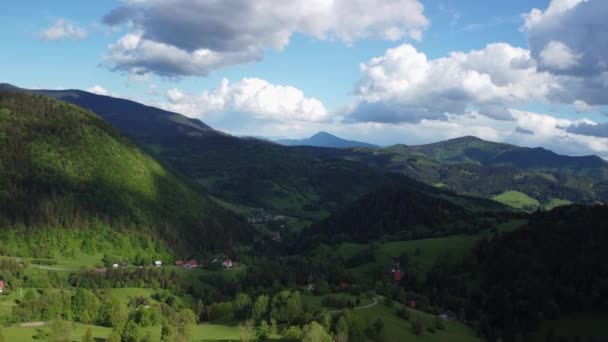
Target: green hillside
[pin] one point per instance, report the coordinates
(64, 168)
(405, 213)
(517, 199)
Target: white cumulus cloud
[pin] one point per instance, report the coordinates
(186, 37)
(403, 85)
(61, 30)
(557, 55)
(252, 97)
(99, 90)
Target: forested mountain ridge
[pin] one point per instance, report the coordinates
(64, 167)
(475, 167)
(312, 182)
(248, 171)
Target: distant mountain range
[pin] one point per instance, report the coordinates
(311, 182)
(517, 176)
(324, 139)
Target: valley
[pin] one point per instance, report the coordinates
(122, 222)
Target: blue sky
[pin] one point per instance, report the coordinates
(374, 72)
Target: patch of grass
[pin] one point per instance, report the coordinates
(517, 200)
(556, 202)
(26, 334)
(79, 260)
(422, 253)
(398, 329)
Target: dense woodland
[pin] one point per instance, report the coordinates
(64, 167)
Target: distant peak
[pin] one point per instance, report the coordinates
(323, 134)
(5, 86)
(467, 138)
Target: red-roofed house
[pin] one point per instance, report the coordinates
(179, 263)
(192, 264)
(397, 275)
(1, 286)
(412, 304)
(343, 284)
(227, 263)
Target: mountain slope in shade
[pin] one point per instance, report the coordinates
(62, 167)
(134, 119)
(324, 139)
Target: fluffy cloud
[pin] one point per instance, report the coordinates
(568, 39)
(571, 34)
(590, 129)
(523, 131)
(61, 30)
(566, 64)
(184, 37)
(557, 55)
(582, 106)
(99, 90)
(403, 85)
(251, 97)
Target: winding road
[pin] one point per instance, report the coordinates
(363, 307)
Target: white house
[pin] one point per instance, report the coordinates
(158, 263)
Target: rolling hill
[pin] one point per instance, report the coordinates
(405, 213)
(311, 182)
(481, 168)
(247, 171)
(66, 172)
(324, 139)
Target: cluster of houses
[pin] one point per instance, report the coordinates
(192, 263)
(258, 215)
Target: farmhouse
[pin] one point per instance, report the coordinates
(227, 263)
(191, 264)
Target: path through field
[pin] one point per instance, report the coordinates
(363, 307)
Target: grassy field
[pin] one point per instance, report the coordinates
(556, 202)
(423, 253)
(517, 200)
(583, 325)
(200, 332)
(398, 329)
(27, 334)
(79, 260)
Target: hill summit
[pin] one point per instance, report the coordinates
(324, 139)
